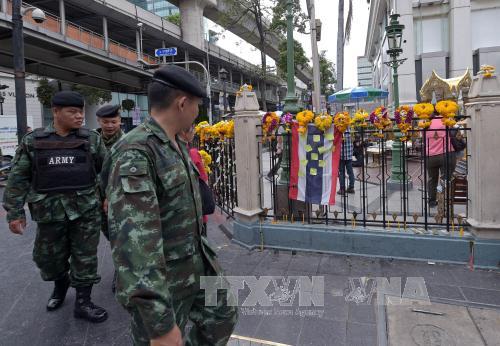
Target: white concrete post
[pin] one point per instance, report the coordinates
(460, 37)
(483, 107)
(105, 33)
(247, 153)
(62, 15)
(4, 6)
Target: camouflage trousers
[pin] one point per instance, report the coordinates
(69, 245)
(212, 325)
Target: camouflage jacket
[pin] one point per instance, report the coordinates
(108, 142)
(154, 221)
(48, 207)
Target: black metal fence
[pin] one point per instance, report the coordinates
(386, 194)
(222, 177)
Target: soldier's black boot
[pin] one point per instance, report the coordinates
(84, 308)
(61, 286)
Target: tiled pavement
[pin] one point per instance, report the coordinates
(24, 321)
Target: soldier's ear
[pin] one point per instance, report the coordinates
(182, 102)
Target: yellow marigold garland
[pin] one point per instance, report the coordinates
(360, 118)
(270, 122)
(207, 160)
(448, 110)
(304, 118)
(323, 122)
(342, 120)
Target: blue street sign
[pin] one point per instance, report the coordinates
(172, 51)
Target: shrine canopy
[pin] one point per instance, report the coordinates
(358, 94)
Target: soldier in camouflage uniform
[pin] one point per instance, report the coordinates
(154, 219)
(109, 120)
(55, 170)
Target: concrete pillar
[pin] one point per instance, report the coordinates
(460, 37)
(105, 33)
(192, 21)
(62, 15)
(138, 44)
(241, 79)
(483, 107)
(247, 153)
(231, 76)
(407, 82)
(4, 6)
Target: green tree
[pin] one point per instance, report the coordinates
(327, 74)
(44, 92)
(174, 18)
(300, 58)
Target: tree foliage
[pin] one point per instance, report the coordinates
(278, 23)
(174, 18)
(327, 74)
(93, 96)
(128, 105)
(45, 91)
(300, 58)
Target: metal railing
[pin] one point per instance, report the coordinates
(83, 35)
(377, 200)
(222, 177)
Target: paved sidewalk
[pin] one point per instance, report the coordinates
(24, 320)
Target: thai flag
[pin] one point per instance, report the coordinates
(314, 165)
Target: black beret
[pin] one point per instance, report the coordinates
(68, 99)
(108, 111)
(179, 78)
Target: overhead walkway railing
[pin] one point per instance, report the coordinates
(87, 37)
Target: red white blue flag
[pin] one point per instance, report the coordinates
(314, 165)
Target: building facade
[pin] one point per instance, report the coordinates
(448, 36)
(162, 8)
(364, 72)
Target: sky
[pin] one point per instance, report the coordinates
(327, 11)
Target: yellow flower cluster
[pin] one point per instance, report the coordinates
(220, 131)
(323, 122)
(225, 129)
(448, 110)
(423, 110)
(360, 118)
(270, 122)
(207, 160)
(487, 71)
(304, 118)
(244, 87)
(342, 120)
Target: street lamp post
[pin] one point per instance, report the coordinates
(394, 33)
(223, 76)
(18, 61)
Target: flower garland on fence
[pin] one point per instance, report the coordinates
(380, 119)
(448, 110)
(286, 121)
(403, 117)
(207, 160)
(360, 118)
(342, 120)
(270, 122)
(205, 131)
(224, 129)
(323, 122)
(424, 112)
(304, 118)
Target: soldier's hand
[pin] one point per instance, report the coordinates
(172, 338)
(17, 226)
(105, 206)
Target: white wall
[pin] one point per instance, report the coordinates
(485, 28)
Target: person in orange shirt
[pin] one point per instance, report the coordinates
(441, 157)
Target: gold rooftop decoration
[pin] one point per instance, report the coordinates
(444, 88)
